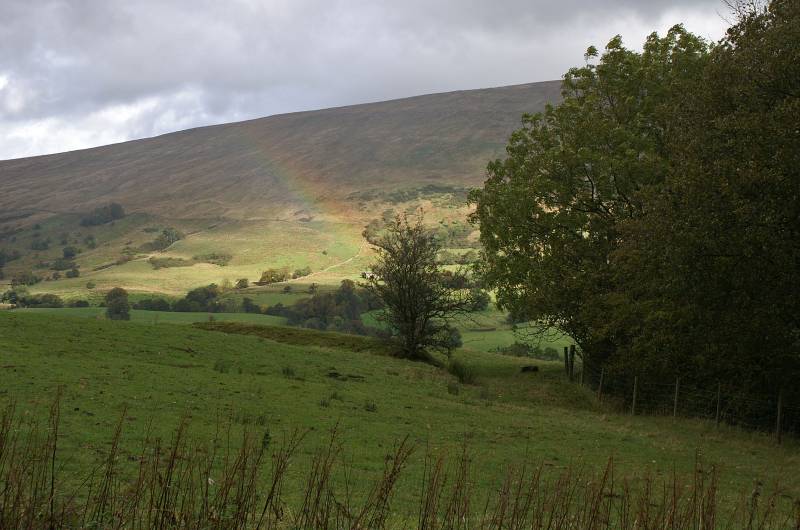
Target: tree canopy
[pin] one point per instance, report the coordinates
(418, 303)
(653, 214)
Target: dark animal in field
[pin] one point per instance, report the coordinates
(529, 368)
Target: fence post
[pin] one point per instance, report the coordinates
(675, 403)
(780, 413)
(719, 391)
(572, 363)
(600, 386)
(566, 360)
(635, 385)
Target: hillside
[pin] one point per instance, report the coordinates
(282, 163)
(292, 190)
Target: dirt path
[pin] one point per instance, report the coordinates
(331, 267)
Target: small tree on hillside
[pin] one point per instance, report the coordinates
(406, 277)
(117, 306)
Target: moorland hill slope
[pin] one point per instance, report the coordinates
(279, 163)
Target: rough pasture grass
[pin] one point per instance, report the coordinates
(158, 317)
(254, 245)
(160, 373)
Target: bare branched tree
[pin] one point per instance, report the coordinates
(419, 305)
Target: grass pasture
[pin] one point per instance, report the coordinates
(139, 316)
(332, 248)
(166, 372)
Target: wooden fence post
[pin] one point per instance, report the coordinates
(600, 386)
(719, 391)
(780, 413)
(675, 402)
(566, 360)
(635, 385)
(572, 363)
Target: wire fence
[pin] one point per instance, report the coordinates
(721, 403)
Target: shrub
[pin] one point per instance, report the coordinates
(215, 258)
(463, 372)
(40, 244)
(69, 252)
(103, 215)
(167, 237)
(202, 299)
(90, 241)
(299, 273)
(164, 263)
(273, 276)
(79, 303)
(451, 339)
(72, 273)
(152, 304)
(62, 264)
(90, 285)
(117, 306)
(123, 259)
(25, 278)
(248, 306)
(521, 349)
(479, 298)
(242, 283)
(44, 300)
(370, 406)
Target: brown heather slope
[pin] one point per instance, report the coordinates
(271, 166)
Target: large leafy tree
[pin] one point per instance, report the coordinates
(654, 215)
(713, 268)
(549, 213)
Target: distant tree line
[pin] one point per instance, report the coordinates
(654, 215)
(20, 297)
(103, 215)
(334, 311)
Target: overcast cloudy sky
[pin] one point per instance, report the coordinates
(80, 73)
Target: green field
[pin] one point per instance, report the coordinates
(161, 372)
(332, 249)
(158, 317)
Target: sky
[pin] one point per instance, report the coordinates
(82, 73)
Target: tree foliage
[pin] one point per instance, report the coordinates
(117, 305)
(418, 306)
(103, 215)
(549, 213)
(653, 214)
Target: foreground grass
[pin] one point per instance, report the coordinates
(162, 373)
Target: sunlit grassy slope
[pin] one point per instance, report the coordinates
(161, 372)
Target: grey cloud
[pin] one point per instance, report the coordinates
(183, 63)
